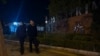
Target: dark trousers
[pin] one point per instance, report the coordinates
(21, 41)
(35, 41)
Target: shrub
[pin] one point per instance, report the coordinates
(77, 41)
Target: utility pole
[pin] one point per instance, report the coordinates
(3, 49)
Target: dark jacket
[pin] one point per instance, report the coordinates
(32, 31)
(21, 31)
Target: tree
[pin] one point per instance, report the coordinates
(57, 6)
(60, 7)
(3, 50)
(3, 1)
(96, 18)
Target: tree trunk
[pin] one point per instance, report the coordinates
(80, 11)
(3, 50)
(76, 11)
(86, 9)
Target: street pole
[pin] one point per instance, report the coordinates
(46, 21)
(3, 49)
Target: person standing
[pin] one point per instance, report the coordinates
(21, 34)
(32, 34)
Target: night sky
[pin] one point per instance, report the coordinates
(23, 10)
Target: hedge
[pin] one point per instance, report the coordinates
(76, 41)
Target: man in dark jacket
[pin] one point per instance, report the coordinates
(32, 33)
(21, 34)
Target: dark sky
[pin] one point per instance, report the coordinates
(23, 10)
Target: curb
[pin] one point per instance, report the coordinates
(83, 52)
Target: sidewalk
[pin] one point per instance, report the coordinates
(13, 50)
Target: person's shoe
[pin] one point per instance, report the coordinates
(21, 55)
(30, 51)
(37, 51)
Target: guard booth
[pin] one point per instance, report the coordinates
(3, 49)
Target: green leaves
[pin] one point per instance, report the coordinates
(63, 6)
(3, 1)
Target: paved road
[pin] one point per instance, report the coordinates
(13, 50)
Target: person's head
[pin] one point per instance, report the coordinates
(32, 22)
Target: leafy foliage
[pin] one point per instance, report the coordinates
(3, 1)
(76, 41)
(64, 6)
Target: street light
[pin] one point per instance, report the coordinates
(46, 21)
(15, 23)
(14, 26)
